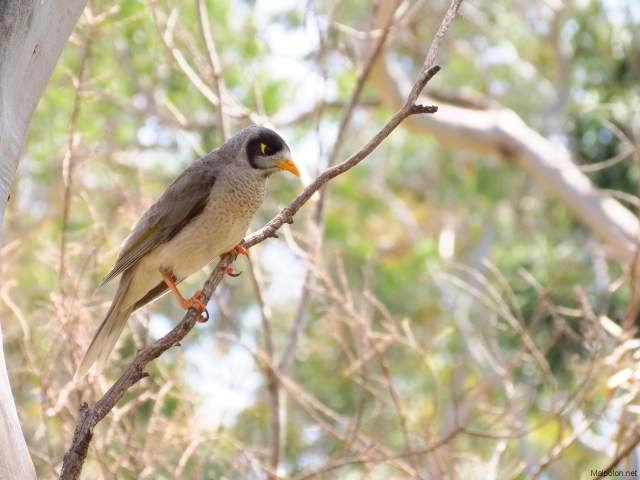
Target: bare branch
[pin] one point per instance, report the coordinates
(272, 381)
(74, 458)
(214, 64)
(619, 458)
(89, 417)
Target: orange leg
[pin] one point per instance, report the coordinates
(193, 302)
(234, 253)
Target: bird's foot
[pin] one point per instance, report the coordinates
(229, 271)
(204, 313)
(235, 251)
(242, 251)
(197, 305)
(192, 302)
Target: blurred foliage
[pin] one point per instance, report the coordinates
(124, 118)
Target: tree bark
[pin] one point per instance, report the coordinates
(32, 36)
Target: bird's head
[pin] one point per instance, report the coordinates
(266, 151)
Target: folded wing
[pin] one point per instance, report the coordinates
(184, 200)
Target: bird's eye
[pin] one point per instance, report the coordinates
(266, 149)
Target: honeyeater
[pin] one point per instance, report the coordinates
(204, 213)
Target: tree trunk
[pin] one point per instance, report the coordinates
(32, 36)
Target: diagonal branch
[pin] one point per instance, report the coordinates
(287, 213)
(89, 417)
(297, 325)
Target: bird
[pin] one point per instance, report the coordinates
(205, 212)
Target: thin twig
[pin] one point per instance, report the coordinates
(72, 142)
(214, 64)
(621, 456)
(288, 351)
(273, 387)
(298, 323)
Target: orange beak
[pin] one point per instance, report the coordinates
(289, 166)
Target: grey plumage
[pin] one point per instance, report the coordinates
(205, 212)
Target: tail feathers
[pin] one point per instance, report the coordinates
(102, 345)
(106, 336)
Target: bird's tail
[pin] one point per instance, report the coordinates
(107, 334)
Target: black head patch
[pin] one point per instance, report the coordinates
(264, 145)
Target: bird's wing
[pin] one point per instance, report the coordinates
(184, 200)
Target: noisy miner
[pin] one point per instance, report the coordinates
(205, 212)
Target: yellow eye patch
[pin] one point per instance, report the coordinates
(262, 147)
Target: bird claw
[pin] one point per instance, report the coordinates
(242, 251)
(229, 271)
(235, 251)
(202, 318)
(198, 306)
